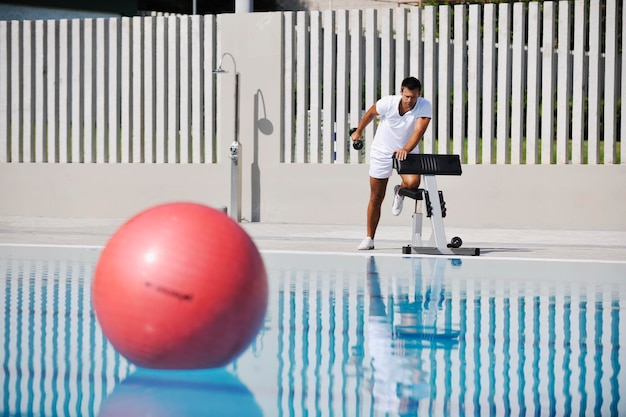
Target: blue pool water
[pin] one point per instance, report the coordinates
(344, 335)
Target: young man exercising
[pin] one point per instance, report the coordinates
(404, 119)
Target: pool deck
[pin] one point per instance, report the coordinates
(503, 243)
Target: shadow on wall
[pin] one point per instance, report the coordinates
(263, 125)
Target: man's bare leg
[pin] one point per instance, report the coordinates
(377, 195)
(410, 181)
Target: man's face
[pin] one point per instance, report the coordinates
(409, 98)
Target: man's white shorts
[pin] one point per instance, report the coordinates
(381, 166)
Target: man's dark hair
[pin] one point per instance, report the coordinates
(412, 83)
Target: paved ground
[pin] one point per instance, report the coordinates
(554, 244)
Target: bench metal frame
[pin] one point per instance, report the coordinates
(429, 166)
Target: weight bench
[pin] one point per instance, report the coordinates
(429, 166)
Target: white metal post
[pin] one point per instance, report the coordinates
(243, 6)
(235, 156)
(235, 148)
(436, 220)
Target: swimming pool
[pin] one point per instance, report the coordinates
(344, 335)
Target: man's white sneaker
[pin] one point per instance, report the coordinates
(396, 208)
(366, 244)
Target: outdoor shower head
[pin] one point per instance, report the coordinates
(219, 68)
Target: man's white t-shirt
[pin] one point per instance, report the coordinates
(394, 130)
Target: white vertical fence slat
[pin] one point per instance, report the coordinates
(489, 83)
(533, 91)
(563, 83)
(302, 80)
(149, 90)
(172, 48)
(594, 86)
(548, 84)
(15, 93)
(185, 86)
(518, 86)
(77, 87)
(138, 117)
(208, 136)
(342, 96)
(372, 56)
(474, 89)
(87, 153)
(443, 82)
(402, 56)
(65, 80)
(113, 90)
(197, 81)
(127, 88)
(611, 86)
(101, 69)
(39, 91)
(290, 63)
(5, 41)
(154, 112)
(578, 92)
(459, 81)
(53, 78)
(429, 80)
(171, 96)
(415, 45)
(386, 53)
(315, 87)
(503, 121)
(160, 89)
(356, 76)
(330, 84)
(28, 101)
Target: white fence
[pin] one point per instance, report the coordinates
(522, 83)
(107, 90)
(509, 83)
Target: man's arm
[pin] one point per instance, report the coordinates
(421, 124)
(369, 115)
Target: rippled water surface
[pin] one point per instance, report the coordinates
(344, 335)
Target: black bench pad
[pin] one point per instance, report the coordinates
(429, 164)
(414, 194)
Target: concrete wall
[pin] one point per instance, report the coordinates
(513, 196)
(545, 197)
(104, 190)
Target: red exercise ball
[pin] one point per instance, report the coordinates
(180, 286)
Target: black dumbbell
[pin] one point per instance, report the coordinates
(455, 242)
(356, 144)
